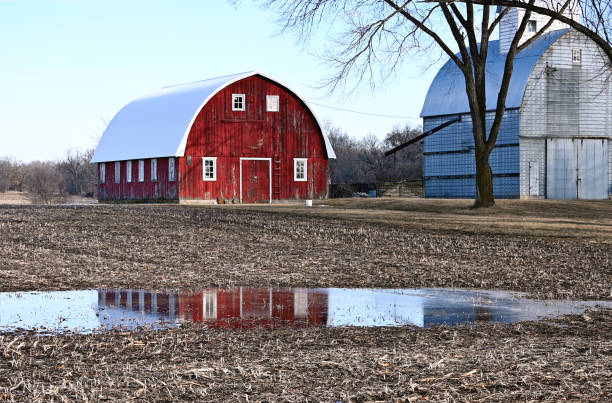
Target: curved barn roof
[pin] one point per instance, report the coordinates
(447, 94)
(157, 125)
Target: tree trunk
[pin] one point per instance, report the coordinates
(484, 182)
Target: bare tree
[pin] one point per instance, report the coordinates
(361, 161)
(12, 174)
(406, 163)
(78, 175)
(5, 174)
(378, 34)
(43, 182)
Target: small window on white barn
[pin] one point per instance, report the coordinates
(210, 168)
(238, 103)
(117, 171)
(532, 26)
(577, 55)
(102, 172)
(128, 171)
(300, 169)
(171, 169)
(153, 169)
(140, 170)
(272, 103)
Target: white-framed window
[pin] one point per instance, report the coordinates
(272, 103)
(300, 169)
(153, 169)
(140, 170)
(128, 171)
(102, 172)
(238, 102)
(117, 171)
(209, 165)
(532, 26)
(577, 55)
(171, 169)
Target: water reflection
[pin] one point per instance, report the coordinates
(99, 310)
(230, 308)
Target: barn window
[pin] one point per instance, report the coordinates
(533, 26)
(300, 169)
(171, 171)
(102, 172)
(128, 170)
(154, 169)
(140, 170)
(577, 55)
(210, 168)
(117, 171)
(272, 103)
(238, 103)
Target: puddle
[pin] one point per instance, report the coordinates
(90, 311)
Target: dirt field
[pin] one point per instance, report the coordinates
(551, 249)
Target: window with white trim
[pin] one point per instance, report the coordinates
(272, 103)
(117, 171)
(171, 169)
(209, 165)
(576, 55)
(153, 169)
(300, 169)
(140, 170)
(128, 171)
(238, 102)
(102, 172)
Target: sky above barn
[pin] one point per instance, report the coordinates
(67, 66)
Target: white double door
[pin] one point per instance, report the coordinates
(576, 168)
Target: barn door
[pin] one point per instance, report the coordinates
(592, 168)
(255, 185)
(577, 168)
(561, 168)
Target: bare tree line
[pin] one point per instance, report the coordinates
(363, 160)
(46, 181)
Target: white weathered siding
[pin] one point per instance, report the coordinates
(564, 99)
(510, 23)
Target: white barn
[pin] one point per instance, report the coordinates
(556, 138)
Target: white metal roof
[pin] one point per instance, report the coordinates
(447, 94)
(157, 125)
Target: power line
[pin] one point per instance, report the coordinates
(363, 113)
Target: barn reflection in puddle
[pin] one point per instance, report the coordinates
(228, 308)
(87, 311)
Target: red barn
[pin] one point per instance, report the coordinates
(240, 138)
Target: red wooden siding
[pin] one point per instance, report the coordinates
(160, 189)
(254, 133)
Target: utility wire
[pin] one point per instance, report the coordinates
(364, 113)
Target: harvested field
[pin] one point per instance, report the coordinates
(527, 362)
(552, 250)
(177, 247)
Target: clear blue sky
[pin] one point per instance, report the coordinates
(67, 66)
